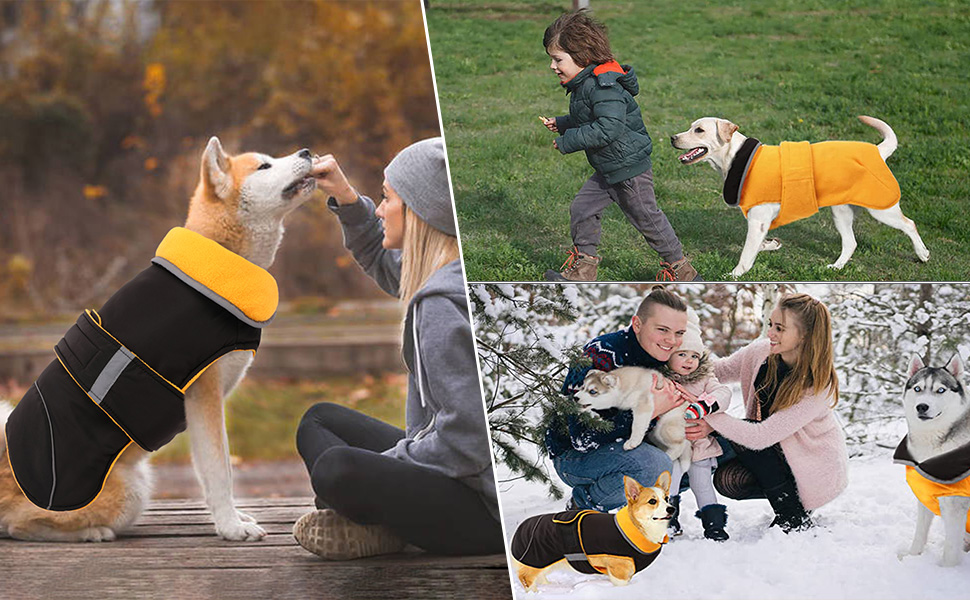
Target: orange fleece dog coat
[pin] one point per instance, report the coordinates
(944, 475)
(803, 177)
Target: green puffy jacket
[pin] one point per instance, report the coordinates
(604, 120)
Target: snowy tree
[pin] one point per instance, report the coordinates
(877, 329)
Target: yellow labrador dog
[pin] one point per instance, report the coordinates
(775, 185)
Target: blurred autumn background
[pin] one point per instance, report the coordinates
(105, 108)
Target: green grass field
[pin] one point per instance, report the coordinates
(781, 70)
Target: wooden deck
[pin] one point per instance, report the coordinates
(173, 552)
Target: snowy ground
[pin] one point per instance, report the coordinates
(852, 554)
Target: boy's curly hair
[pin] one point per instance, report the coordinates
(580, 36)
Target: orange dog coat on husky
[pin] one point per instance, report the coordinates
(803, 177)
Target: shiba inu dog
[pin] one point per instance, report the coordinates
(776, 185)
(936, 453)
(237, 214)
(632, 388)
(619, 545)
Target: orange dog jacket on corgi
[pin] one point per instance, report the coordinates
(803, 177)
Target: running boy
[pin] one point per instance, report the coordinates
(605, 121)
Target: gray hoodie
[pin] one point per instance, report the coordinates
(445, 415)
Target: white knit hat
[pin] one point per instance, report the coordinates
(692, 337)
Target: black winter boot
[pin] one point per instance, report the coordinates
(714, 518)
(790, 515)
(673, 528)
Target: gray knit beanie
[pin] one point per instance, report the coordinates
(419, 176)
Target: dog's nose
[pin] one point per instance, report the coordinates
(673, 139)
(670, 509)
(922, 408)
(305, 154)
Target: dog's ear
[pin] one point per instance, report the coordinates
(725, 129)
(955, 366)
(215, 169)
(663, 482)
(632, 489)
(609, 380)
(915, 365)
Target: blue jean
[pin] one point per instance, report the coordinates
(597, 476)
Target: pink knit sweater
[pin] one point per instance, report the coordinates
(810, 437)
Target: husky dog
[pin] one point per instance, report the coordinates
(937, 453)
(240, 203)
(633, 388)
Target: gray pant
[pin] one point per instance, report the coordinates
(701, 482)
(637, 201)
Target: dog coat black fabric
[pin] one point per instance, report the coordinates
(575, 535)
(121, 373)
(947, 474)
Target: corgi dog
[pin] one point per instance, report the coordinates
(237, 208)
(617, 545)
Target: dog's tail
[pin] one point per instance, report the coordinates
(889, 142)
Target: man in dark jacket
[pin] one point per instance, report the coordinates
(593, 463)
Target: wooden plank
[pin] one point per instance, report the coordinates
(173, 552)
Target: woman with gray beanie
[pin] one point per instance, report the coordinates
(377, 487)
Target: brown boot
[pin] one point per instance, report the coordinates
(681, 270)
(578, 267)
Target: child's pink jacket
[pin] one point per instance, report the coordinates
(810, 437)
(708, 447)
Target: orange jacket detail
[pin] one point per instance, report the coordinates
(803, 177)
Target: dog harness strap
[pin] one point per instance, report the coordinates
(798, 199)
(734, 182)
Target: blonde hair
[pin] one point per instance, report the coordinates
(814, 369)
(424, 251)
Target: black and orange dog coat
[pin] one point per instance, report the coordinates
(121, 373)
(576, 535)
(945, 475)
(803, 177)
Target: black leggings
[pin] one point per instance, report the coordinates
(342, 451)
(751, 472)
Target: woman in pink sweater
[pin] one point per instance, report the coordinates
(790, 448)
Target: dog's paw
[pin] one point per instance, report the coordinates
(923, 254)
(97, 534)
(629, 444)
(770, 245)
(241, 532)
(737, 272)
(837, 265)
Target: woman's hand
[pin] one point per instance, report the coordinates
(697, 429)
(666, 397)
(550, 124)
(331, 180)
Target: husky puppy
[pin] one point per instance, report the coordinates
(240, 203)
(619, 545)
(633, 388)
(937, 453)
